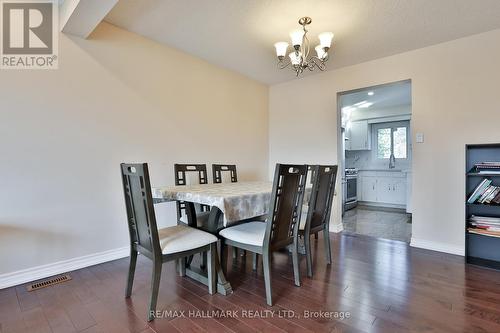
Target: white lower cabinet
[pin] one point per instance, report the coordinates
(399, 191)
(383, 187)
(384, 190)
(368, 188)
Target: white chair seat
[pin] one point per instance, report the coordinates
(181, 238)
(251, 233)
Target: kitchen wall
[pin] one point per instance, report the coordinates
(117, 97)
(367, 159)
(449, 85)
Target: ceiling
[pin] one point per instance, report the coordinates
(384, 96)
(239, 34)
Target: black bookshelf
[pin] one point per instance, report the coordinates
(482, 250)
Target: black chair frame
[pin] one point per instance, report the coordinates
(218, 169)
(324, 178)
(180, 171)
(283, 222)
(144, 233)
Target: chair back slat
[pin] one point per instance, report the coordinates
(323, 190)
(181, 172)
(286, 205)
(219, 169)
(139, 204)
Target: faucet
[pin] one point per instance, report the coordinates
(392, 161)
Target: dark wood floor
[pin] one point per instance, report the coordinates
(385, 286)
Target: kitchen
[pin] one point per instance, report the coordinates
(377, 154)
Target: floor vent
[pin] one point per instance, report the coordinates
(49, 282)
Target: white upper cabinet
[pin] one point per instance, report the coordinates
(359, 136)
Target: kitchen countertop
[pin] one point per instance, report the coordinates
(387, 170)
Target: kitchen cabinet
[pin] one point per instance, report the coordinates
(368, 188)
(399, 191)
(383, 187)
(384, 190)
(359, 136)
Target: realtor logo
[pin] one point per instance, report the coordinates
(29, 34)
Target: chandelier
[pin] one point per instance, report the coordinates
(299, 57)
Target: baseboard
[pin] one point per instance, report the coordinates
(435, 246)
(381, 205)
(382, 208)
(44, 271)
(336, 227)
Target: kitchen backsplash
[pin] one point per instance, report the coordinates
(365, 159)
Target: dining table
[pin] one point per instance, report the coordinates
(230, 203)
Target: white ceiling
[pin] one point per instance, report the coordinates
(384, 96)
(239, 34)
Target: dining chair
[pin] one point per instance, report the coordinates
(317, 217)
(280, 231)
(219, 169)
(166, 244)
(182, 172)
(310, 177)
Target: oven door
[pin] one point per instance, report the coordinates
(351, 189)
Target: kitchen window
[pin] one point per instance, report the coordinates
(391, 138)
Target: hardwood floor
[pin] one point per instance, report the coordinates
(384, 286)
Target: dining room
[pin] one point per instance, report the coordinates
(174, 166)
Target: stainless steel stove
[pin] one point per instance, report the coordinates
(350, 188)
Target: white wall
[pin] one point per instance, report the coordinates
(454, 102)
(116, 97)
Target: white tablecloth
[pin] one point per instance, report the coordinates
(237, 201)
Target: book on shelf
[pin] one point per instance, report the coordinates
(489, 171)
(479, 190)
(492, 195)
(487, 167)
(489, 219)
(496, 199)
(484, 232)
(485, 223)
(487, 193)
(483, 227)
(488, 164)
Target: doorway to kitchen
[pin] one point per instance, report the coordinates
(376, 155)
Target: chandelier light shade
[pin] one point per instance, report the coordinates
(297, 37)
(325, 39)
(299, 58)
(320, 52)
(281, 48)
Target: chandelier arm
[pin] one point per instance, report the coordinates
(297, 69)
(311, 64)
(283, 64)
(319, 63)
